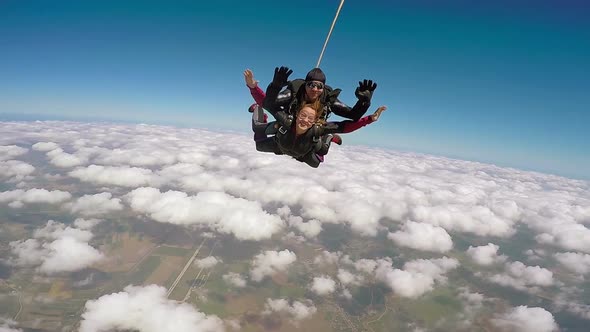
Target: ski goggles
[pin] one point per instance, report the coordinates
(315, 85)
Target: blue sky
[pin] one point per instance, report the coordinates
(499, 82)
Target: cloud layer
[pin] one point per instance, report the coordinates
(364, 189)
(424, 205)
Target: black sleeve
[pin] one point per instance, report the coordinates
(355, 113)
(275, 99)
(334, 127)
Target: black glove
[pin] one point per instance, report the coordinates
(281, 76)
(365, 90)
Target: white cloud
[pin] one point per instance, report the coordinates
(292, 237)
(63, 159)
(234, 324)
(346, 294)
(69, 254)
(327, 257)
(534, 275)
(485, 255)
(520, 276)
(569, 236)
(226, 214)
(422, 236)
(366, 265)
(95, 205)
(15, 170)
(35, 196)
(145, 309)
(136, 155)
(347, 278)
(323, 285)
(270, 262)
(476, 219)
(435, 268)
(310, 229)
(297, 310)
(405, 283)
(576, 262)
(28, 252)
(45, 146)
(54, 230)
(56, 248)
(473, 299)
(86, 223)
(207, 262)
(535, 254)
(10, 151)
(526, 319)
(234, 279)
(417, 277)
(123, 176)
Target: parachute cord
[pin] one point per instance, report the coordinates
(329, 33)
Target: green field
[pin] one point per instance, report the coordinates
(144, 270)
(433, 307)
(8, 305)
(172, 251)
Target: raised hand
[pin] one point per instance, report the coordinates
(281, 76)
(375, 116)
(249, 77)
(364, 92)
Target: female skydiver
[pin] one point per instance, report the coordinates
(302, 91)
(298, 139)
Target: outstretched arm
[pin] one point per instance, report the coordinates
(347, 126)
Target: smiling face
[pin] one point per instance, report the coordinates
(306, 117)
(313, 90)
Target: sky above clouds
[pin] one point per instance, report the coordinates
(492, 81)
(217, 182)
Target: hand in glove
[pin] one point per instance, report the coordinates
(281, 76)
(365, 90)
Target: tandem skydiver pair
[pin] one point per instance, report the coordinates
(301, 110)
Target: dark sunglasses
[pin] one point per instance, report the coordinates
(316, 85)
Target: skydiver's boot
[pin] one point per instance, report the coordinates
(326, 140)
(311, 159)
(258, 122)
(254, 107)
